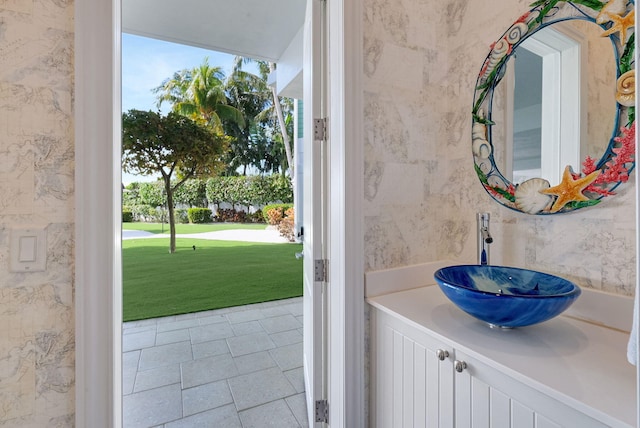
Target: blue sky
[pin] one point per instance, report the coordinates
(147, 62)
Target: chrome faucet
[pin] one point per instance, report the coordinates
(484, 238)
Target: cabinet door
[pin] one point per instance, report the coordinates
(412, 386)
(487, 398)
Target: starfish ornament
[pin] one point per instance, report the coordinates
(620, 25)
(569, 190)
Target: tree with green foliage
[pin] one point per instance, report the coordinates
(282, 122)
(250, 94)
(199, 93)
(266, 142)
(131, 194)
(152, 194)
(152, 143)
(243, 106)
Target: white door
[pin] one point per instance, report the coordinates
(314, 231)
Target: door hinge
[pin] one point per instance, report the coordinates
(320, 270)
(319, 129)
(322, 411)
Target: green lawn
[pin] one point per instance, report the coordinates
(192, 228)
(217, 274)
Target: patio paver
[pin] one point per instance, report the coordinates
(233, 367)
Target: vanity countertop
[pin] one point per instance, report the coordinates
(578, 363)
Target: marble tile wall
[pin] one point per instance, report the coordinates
(37, 189)
(421, 59)
(421, 194)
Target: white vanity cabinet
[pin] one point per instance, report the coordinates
(423, 377)
(421, 381)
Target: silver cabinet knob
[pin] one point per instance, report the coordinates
(459, 365)
(442, 354)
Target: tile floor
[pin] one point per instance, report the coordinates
(233, 367)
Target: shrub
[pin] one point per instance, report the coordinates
(255, 217)
(181, 215)
(155, 215)
(131, 195)
(223, 215)
(286, 227)
(231, 215)
(274, 213)
(127, 216)
(139, 212)
(239, 217)
(199, 215)
(274, 216)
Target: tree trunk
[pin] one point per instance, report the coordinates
(172, 217)
(283, 125)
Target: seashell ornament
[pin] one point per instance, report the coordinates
(516, 32)
(499, 50)
(480, 146)
(503, 47)
(626, 89)
(613, 7)
(528, 196)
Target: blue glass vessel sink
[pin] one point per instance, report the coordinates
(506, 296)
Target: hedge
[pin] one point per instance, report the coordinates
(237, 191)
(191, 193)
(249, 190)
(127, 216)
(199, 215)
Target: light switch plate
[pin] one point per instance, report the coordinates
(28, 250)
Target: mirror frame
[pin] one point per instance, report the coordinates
(597, 178)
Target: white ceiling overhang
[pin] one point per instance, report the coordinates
(265, 30)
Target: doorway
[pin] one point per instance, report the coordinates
(210, 366)
(97, 216)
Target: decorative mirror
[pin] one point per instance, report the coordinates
(544, 110)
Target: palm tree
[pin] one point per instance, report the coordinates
(200, 94)
(270, 110)
(283, 126)
(250, 94)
